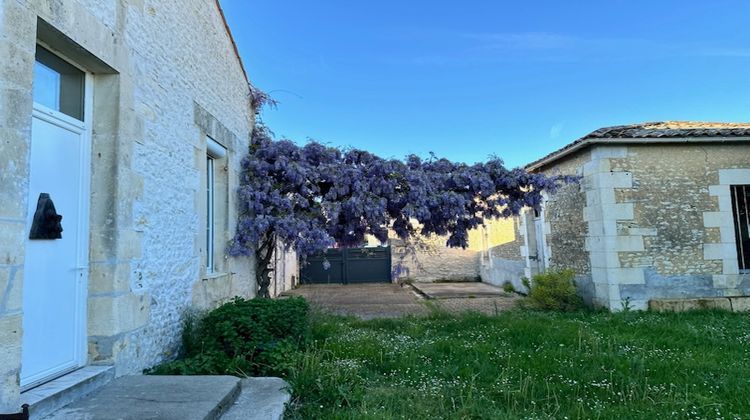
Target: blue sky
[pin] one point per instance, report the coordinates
(471, 79)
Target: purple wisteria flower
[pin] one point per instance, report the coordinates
(310, 197)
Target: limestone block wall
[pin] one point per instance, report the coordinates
(188, 85)
(721, 249)
(602, 213)
(649, 221)
(165, 77)
(17, 50)
(681, 229)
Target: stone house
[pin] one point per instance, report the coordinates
(661, 213)
(129, 119)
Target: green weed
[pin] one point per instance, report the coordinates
(525, 364)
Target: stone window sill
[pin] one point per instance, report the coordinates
(213, 276)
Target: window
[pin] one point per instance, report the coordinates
(214, 154)
(740, 200)
(209, 214)
(58, 85)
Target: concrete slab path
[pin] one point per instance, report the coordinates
(140, 397)
(385, 300)
(458, 290)
(366, 301)
(260, 399)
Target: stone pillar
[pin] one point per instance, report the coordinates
(603, 241)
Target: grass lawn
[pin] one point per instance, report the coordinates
(524, 364)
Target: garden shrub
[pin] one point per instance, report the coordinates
(554, 290)
(243, 337)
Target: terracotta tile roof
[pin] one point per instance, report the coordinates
(672, 129)
(652, 130)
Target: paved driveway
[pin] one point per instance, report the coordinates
(385, 300)
(366, 301)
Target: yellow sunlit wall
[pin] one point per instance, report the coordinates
(499, 231)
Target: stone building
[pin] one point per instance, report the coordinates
(661, 213)
(129, 119)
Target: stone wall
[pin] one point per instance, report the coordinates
(166, 77)
(17, 50)
(682, 212)
(564, 213)
(649, 221)
(566, 229)
(434, 262)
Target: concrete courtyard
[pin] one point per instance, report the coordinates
(387, 300)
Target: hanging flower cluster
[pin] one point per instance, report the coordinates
(314, 196)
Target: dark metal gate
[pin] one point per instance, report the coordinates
(352, 265)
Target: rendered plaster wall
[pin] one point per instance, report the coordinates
(682, 213)
(285, 273)
(502, 262)
(165, 77)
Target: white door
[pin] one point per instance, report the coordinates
(55, 270)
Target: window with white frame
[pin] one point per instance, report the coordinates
(215, 152)
(58, 85)
(740, 210)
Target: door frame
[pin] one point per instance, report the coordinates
(84, 202)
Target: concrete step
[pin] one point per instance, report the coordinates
(53, 395)
(261, 399)
(156, 397)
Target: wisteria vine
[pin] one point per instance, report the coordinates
(311, 197)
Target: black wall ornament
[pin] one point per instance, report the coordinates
(46, 223)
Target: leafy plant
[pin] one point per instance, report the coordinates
(242, 337)
(508, 287)
(554, 290)
(626, 304)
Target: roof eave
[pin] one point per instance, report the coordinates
(622, 140)
(231, 40)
